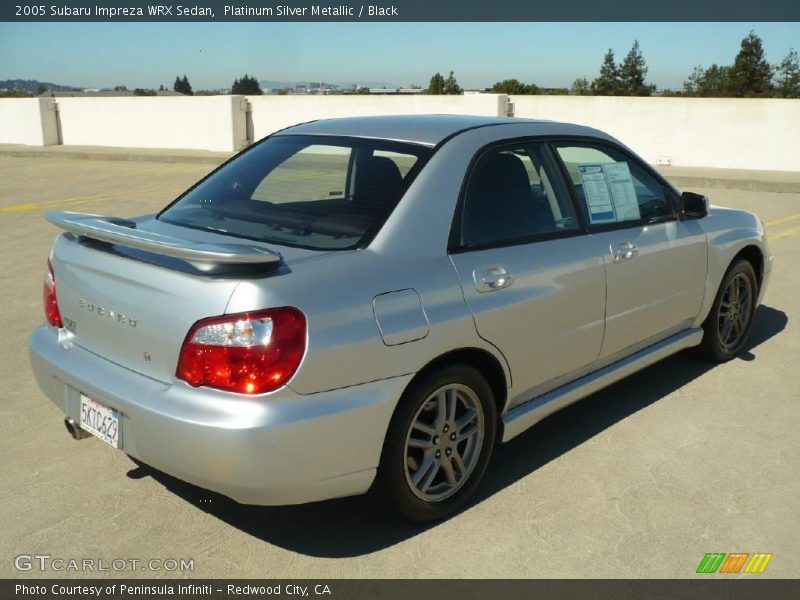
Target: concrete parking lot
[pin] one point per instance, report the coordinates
(640, 480)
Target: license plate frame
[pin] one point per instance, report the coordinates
(101, 421)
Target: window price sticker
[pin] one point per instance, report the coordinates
(609, 192)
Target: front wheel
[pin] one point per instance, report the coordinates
(439, 444)
(731, 317)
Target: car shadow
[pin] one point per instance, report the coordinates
(355, 526)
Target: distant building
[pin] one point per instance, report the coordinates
(102, 94)
(86, 94)
(395, 91)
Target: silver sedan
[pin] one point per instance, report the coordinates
(375, 303)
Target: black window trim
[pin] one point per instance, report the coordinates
(456, 244)
(670, 193)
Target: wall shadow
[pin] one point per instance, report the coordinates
(355, 526)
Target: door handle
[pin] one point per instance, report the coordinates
(491, 279)
(623, 251)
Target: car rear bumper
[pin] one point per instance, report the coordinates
(280, 448)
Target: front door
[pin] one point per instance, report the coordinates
(655, 262)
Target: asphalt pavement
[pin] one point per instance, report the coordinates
(639, 480)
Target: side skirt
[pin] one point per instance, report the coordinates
(526, 415)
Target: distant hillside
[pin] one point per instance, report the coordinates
(32, 85)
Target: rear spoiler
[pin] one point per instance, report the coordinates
(122, 232)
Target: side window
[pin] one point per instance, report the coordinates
(613, 188)
(512, 195)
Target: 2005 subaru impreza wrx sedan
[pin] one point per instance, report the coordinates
(376, 303)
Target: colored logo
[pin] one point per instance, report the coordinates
(735, 562)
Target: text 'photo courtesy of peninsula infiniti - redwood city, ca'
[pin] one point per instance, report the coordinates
(375, 303)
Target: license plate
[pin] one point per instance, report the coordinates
(101, 421)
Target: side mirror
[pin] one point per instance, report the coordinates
(694, 206)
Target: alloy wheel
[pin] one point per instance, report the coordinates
(734, 311)
(443, 443)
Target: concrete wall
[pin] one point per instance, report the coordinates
(201, 122)
(30, 121)
(271, 113)
(728, 133)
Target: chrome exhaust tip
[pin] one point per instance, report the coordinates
(74, 429)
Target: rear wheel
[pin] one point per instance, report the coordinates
(439, 444)
(731, 317)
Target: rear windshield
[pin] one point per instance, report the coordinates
(318, 192)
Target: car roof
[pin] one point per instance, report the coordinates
(431, 130)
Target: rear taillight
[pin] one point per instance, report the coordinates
(249, 353)
(51, 311)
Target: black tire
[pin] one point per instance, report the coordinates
(394, 484)
(716, 345)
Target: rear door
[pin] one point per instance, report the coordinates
(655, 262)
(532, 278)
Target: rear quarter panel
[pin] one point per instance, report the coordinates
(336, 294)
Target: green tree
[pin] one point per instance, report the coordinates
(182, 85)
(246, 86)
(362, 90)
(787, 76)
(691, 87)
(514, 86)
(751, 74)
(187, 87)
(713, 82)
(451, 86)
(608, 82)
(436, 85)
(580, 87)
(40, 90)
(143, 92)
(632, 73)
(717, 81)
(15, 94)
(120, 88)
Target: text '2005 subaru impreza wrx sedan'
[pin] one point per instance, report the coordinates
(377, 302)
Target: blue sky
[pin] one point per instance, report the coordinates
(213, 54)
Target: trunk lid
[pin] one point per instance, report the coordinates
(136, 312)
